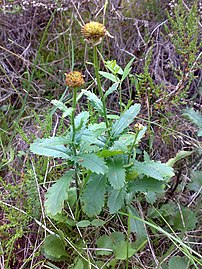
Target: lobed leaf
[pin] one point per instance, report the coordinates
(93, 195)
(157, 170)
(116, 200)
(116, 173)
(146, 184)
(51, 147)
(95, 101)
(57, 194)
(91, 162)
(60, 105)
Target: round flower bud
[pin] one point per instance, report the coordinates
(74, 79)
(138, 126)
(93, 32)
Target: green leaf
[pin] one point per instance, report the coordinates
(125, 120)
(54, 248)
(79, 264)
(91, 162)
(106, 243)
(151, 197)
(196, 181)
(109, 153)
(81, 120)
(83, 223)
(95, 101)
(123, 250)
(114, 67)
(116, 173)
(59, 104)
(57, 194)
(94, 194)
(146, 184)
(185, 220)
(111, 89)
(123, 143)
(194, 116)
(109, 76)
(179, 156)
(127, 69)
(136, 226)
(157, 170)
(51, 147)
(97, 222)
(116, 200)
(177, 262)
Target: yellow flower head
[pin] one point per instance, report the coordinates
(74, 79)
(93, 32)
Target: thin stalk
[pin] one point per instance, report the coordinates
(74, 146)
(133, 145)
(96, 67)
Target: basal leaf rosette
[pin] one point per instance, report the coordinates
(93, 32)
(74, 79)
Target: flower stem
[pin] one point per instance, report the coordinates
(96, 67)
(74, 148)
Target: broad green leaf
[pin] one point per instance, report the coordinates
(97, 222)
(95, 101)
(109, 76)
(146, 184)
(177, 262)
(79, 265)
(81, 120)
(136, 226)
(185, 220)
(54, 247)
(127, 69)
(123, 250)
(97, 128)
(59, 104)
(83, 223)
(106, 243)
(57, 194)
(125, 120)
(151, 197)
(116, 173)
(123, 143)
(194, 116)
(88, 138)
(196, 181)
(51, 147)
(157, 170)
(91, 162)
(111, 89)
(93, 195)
(116, 200)
(179, 156)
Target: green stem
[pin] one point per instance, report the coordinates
(133, 145)
(96, 67)
(74, 148)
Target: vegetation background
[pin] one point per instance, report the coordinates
(40, 41)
